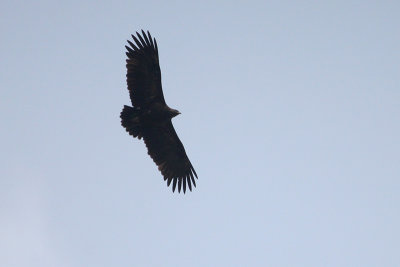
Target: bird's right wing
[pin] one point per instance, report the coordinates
(143, 71)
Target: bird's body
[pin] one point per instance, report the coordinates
(150, 117)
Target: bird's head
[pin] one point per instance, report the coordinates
(174, 112)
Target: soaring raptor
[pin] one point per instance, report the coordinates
(150, 117)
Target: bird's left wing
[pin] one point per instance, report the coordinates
(168, 153)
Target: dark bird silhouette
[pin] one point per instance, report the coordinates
(150, 117)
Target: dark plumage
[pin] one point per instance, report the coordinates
(150, 117)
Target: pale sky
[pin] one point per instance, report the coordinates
(290, 116)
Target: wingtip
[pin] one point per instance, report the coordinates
(169, 181)
(179, 184)
(132, 45)
(138, 43)
(174, 185)
(155, 45)
(150, 39)
(192, 178)
(194, 172)
(188, 182)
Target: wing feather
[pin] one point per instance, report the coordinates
(141, 40)
(179, 184)
(145, 38)
(151, 39)
(188, 182)
(130, 51)
(155, 45)
(138, 43)
(133, 46)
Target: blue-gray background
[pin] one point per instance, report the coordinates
(290, 115)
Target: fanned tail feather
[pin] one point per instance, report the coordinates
(130, 120)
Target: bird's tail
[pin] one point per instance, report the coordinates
(130, 119)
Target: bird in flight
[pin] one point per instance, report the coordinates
(150, 117)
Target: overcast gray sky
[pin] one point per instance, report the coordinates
(290, 116)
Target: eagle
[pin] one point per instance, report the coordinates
(150, 117)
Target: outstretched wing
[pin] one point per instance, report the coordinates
(168, 153)
(143, 71)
